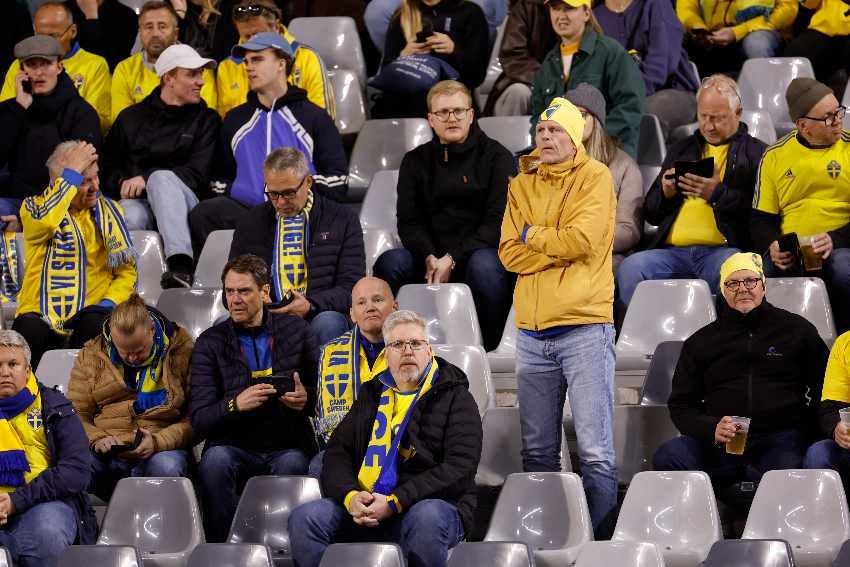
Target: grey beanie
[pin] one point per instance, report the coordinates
(802, 94)
(587, 96)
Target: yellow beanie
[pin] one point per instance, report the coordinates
(741, 261)
(567, 115)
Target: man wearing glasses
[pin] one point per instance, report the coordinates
(401, 465)
(804, 188)
(451, 199)
(313, 245)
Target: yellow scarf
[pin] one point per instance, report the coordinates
(289, 264)
(23, 443)
(9, 284)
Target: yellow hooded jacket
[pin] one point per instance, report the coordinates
(715, 14)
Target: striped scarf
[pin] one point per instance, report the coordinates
(289, 264)
(14, 462)
(145, 378)
(9, 277)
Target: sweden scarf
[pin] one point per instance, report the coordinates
(146, 377)
(9, 284)
(289, 263)
(14, 460)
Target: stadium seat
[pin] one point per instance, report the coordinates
(661, 310)
(54, 368)
(659, 375)
(230, 555)
(492, 553)
(619, 554)
(447, 308)
(648, 174)
(676, 511)
(806, 297)
(336, 41)
(212, 260)
(843, 557)
(763, 82)
(6, 560)
(503, 359)
(651, 146)
(806, 508)
(548, 511)
(263, 511)
(845, 101)
(638, 432)
(473, 361)
(513, 132)
(159, 516)
(494, 69)
(379, 203)
(371, 554)
(150, 264)
(8, 308)
(195, 309)
(750, 553)
(759, 125)
(350, 105)
(98, 556)
(381, 144)
(376, 241)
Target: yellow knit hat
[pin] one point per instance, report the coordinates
(741, 261)
(565, 113)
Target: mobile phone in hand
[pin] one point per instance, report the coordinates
(124, 447)
(283, 382)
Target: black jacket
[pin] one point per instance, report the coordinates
(111, 35)
(219, 373)
(444, 430)
(763, 365)
(29, 136)
(335, 256)
(732, 200)
(451, 198)
(152, 135)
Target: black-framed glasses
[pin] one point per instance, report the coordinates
(60, 35)
(832, 118)
(247, 11)
(286, 195)
(458, 113)
(414, 344)
(735, 285)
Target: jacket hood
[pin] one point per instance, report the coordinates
(293, 94)
(50, 104)
(168, 326)
(556, 171)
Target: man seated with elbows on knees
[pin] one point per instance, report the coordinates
(45, 464)
(401, 465)
(352, 359)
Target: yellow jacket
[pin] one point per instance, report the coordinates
(133, 81)
(714, 14)
(308, 72)
(102, 282)
(90, 74)
(564, 257)
(829, 18)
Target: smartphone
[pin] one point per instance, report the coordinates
(287, 299)
(283, 382)
(702, 168)
(427, 31)
(26, 84)
(123, 447)
(789, 243)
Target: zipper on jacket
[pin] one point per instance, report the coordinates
(445, 154)
(256, 354)
(750, 374)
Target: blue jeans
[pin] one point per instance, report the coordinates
(38, 536)
(578, 363)
(316, 463)
(425, 531)
(107, 471)
(222, 475)
(672, 263)
(328, 325)
(761, 43)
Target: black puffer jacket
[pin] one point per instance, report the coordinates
(335, 256)
(445, 430)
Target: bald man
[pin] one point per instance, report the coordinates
(352, 359)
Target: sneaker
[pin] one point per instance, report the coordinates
(176, 280)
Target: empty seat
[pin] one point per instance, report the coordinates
(763, 82)
(662, 310)
(659, 375)
(473, 361)
(651, 146)
(513, 132)
(54, 368)
(195, 309)
(806, 508)
(503, 359)
(494, 553)
(843, 558)
(638, 432)
(262, 515)
(648, 174)
(98, 556)
(548, 511)
(806, 297)
(371, 554)
(231, 555)
(150, 264)
(619, 554)
(158, 516)
(350, 106)
(336, 41)
(379, 204)
(212, 260)
(750, 553)
(676, 511)
(6, 560)
(376, 241)
(760, 125)
(447, 308)
(494, 69)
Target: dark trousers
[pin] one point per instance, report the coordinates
(827, 54)
(218, 213)
(42, 338)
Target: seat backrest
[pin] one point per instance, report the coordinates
(638, 432)
(648, 174)
(750, 553)
(806, 297)
(473, 361)
(659, 375)
(843, 557)
(150, 264)
(372, 554)
(760, 125)
(231, 555)
(54, 368)
(6, 560)
(619, 554)
(97, 556)
(662, 310)
(651, 146)
(156, 515)
(263, 513)
(376, 241)
(350, 105)
(545, 510)
(194, 309)
(763, 82)
(513, 132)
(379, 203)
(212, 260)
(447, 308)
(501, 448)
(336, 41)
(495, 553)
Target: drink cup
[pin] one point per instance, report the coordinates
(739, 442)
(844, 414)
(812, 261)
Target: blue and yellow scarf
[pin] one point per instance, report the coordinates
(9, 277)
(14, 461)
(289, 263)
(145, 378)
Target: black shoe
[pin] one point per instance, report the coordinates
(176, 280)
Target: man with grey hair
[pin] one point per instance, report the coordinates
(313, 245)
(46, 464)
(702, 219)
(401, 465)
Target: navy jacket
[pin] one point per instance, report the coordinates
(335, 256)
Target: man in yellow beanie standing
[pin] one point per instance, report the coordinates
(557, 235)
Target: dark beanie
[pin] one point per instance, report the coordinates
(588, 97)
(802, 94)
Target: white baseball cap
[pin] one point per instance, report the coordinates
(181, 56)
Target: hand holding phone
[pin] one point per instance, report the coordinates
(23, 90)
(283, 382)
(124, 447)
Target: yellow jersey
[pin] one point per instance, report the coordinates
(836, 380)
(695, 224)
(829, 19)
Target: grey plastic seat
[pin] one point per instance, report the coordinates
(150, 264)
(676, 511)
(231, 555)
(350, 105)
(371, 554)
(750, 553)
(659, 375)
(54, 368)
(619, 554)
(381, 144)
(263, 511)
(494, 553)
(651, 146)
(494, 69)
(6, 560)
(195, 309)
(336, 41)
(638, 432)
(661, 310)
(806, 508)
(648, 174)
(447, 308)
(376, 241)
(503, 359)
(763, 82)
(212, 260)
(473, 361)
(548, 511)
(158, 516)
(806, 297)
(98, 556)
(843, 557)
(379, 203)
(513, 132)
(8, 308)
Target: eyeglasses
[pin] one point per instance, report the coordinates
(287, 195)
(443, 115)
(832, 118)
(735, 285)
(248, 11)
(59, 35)
(414, 344)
